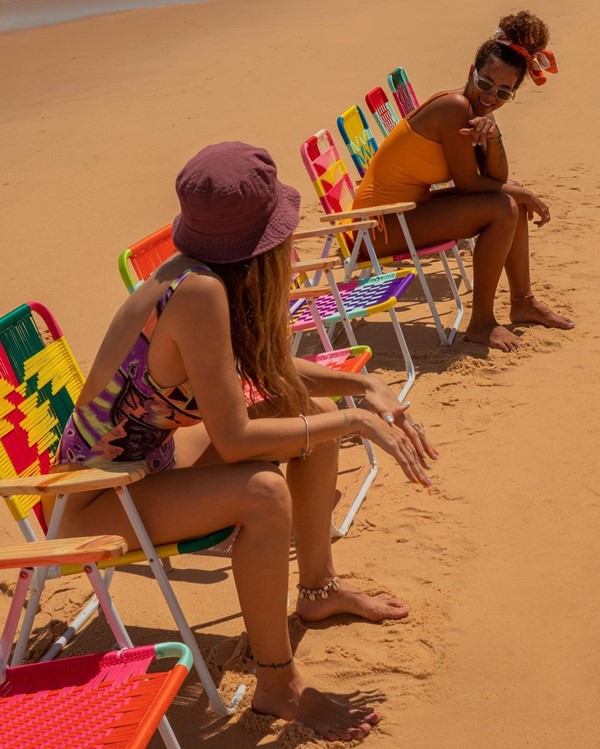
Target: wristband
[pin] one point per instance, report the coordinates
(499, 136)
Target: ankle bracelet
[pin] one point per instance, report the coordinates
(521, 298)
(284, 664)
(314, 593)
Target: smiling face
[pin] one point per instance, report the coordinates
(497, 73)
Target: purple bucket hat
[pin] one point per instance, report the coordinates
(233, 207)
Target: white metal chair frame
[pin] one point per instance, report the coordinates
(398, 209)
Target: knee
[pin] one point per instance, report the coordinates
(506, 209)
(268, 499)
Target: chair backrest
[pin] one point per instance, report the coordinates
(402, 91)
(40, 382)
(138, 262)
(330, 179)
(382, 110)
(357, 136)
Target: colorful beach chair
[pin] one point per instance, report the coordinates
(402, 91)
(380, 107)
(40, 381)
(97, 701)
(335, 190)
(357, 136)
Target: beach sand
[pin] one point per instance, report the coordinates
(499, 559)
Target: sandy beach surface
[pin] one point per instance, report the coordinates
(499, 560)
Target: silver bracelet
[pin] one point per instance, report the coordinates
(499, 136)
(305, 451)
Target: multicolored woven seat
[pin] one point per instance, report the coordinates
(40, 381)
(90, 701)
(97, 701)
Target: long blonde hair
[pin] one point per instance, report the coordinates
(258, 294)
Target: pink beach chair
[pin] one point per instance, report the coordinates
(97, 701)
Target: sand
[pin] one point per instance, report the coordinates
(499, 559)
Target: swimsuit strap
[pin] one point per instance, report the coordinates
(162, 302)
(154, 316)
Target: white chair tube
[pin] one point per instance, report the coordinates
(146, 544)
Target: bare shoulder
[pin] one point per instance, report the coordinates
(451, 103)
(201, 296)
(442, 112)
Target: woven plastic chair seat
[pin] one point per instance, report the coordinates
(360, 298)
(86, 701)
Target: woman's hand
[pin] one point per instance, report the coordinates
(380, 399)
(394, 441)
(482, 129)
(533, 204)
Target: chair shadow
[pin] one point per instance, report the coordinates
(428, 353)
(230, 664)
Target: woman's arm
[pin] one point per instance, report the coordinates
(198, 320)
(453, 125)
(460, 141)
(378, 398)
(491, 159)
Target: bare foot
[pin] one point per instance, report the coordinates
(492, 335)
(349, 600)
(286, 695)
(528, 309)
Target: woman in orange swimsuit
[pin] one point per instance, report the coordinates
(454, 136)
(165, 388)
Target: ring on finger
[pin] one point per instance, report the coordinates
(418, 426)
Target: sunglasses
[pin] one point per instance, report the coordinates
(501, 93)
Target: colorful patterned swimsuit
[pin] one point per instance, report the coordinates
(133, 418)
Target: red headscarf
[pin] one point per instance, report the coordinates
(537, 62)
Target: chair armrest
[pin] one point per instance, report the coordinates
(82, 550)
(318, 263)
(309, 292)
(375, 210)
(327, 230)
(67, 482)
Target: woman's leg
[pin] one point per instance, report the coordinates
(188, 502)
(492, 216)
(312, 485)
(524, 306)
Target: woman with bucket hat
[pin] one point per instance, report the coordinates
(173, 357)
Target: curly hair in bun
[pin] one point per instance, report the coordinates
(523, 28)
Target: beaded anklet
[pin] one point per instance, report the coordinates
(284, 664)
(314, 593)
